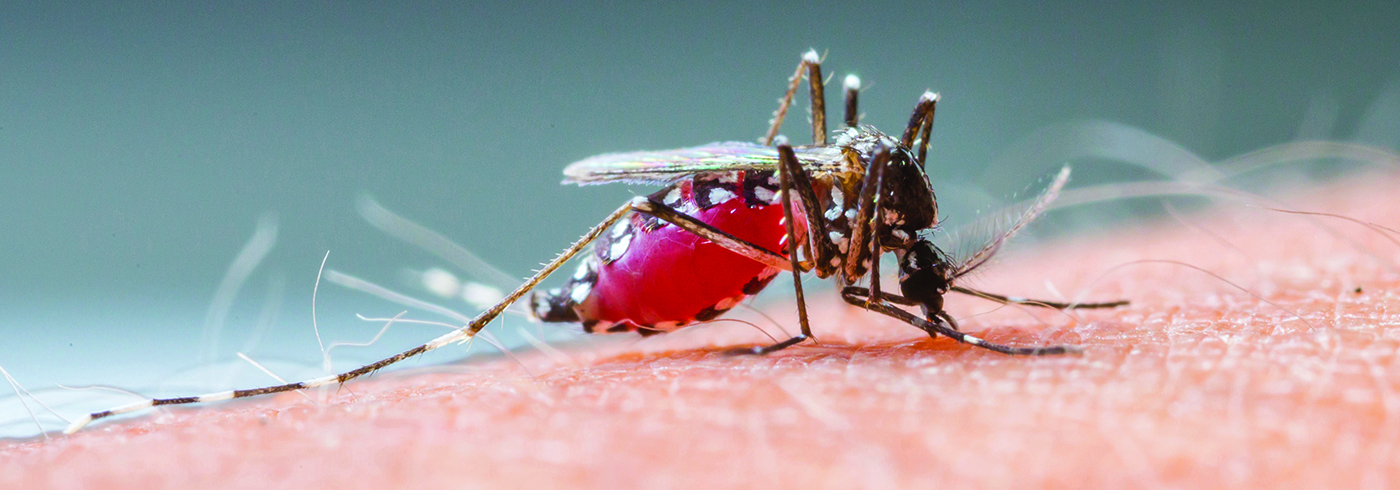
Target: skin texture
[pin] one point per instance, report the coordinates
(1196, 384)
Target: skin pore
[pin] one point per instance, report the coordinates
(1292, 382)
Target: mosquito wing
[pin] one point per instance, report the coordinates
(1010, 222)
(667, 166)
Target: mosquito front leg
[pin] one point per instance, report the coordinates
(465, 332)
(921, 119)
(811, 67)
(1008, 300)
(943, 324)
(852, 86)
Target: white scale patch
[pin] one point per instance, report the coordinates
(720, 195)
(850, 215)
(900, 234)
(672, 197)
(840, 240)
(620, 229)
(833, 213)
(583, 270)
(765, 195)
(580, 292)
(729, 177)
(619, 247)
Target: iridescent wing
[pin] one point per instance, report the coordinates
(667, 166)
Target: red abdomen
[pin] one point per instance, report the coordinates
(651, 276)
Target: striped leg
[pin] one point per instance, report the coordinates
(1008, 300)
(943, 324)
(921, 121)
(462, 334)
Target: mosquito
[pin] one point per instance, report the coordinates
(731, 218)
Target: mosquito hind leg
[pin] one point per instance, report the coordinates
(810, 66)
(461, 334)
(942, 323)
(1057, 305)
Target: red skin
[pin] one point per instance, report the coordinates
(669, 274)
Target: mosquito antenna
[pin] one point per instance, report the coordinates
(253, 252)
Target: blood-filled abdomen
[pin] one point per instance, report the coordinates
(651, 276)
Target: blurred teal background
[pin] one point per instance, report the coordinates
(140, 143)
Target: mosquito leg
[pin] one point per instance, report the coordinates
(924, 136)
(852, 100)
(811, 67)
(820, 249)
(1006, 300)
(785, 174)
(461, 334)
(921, 119)
(943, 324)
(863, 228)
(732, 243)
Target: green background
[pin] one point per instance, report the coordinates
(140, 143)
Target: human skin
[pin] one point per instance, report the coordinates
(1197, 383)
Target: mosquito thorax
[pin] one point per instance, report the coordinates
(907, 202)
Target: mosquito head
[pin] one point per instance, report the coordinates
(908, 205)
(924, 275)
